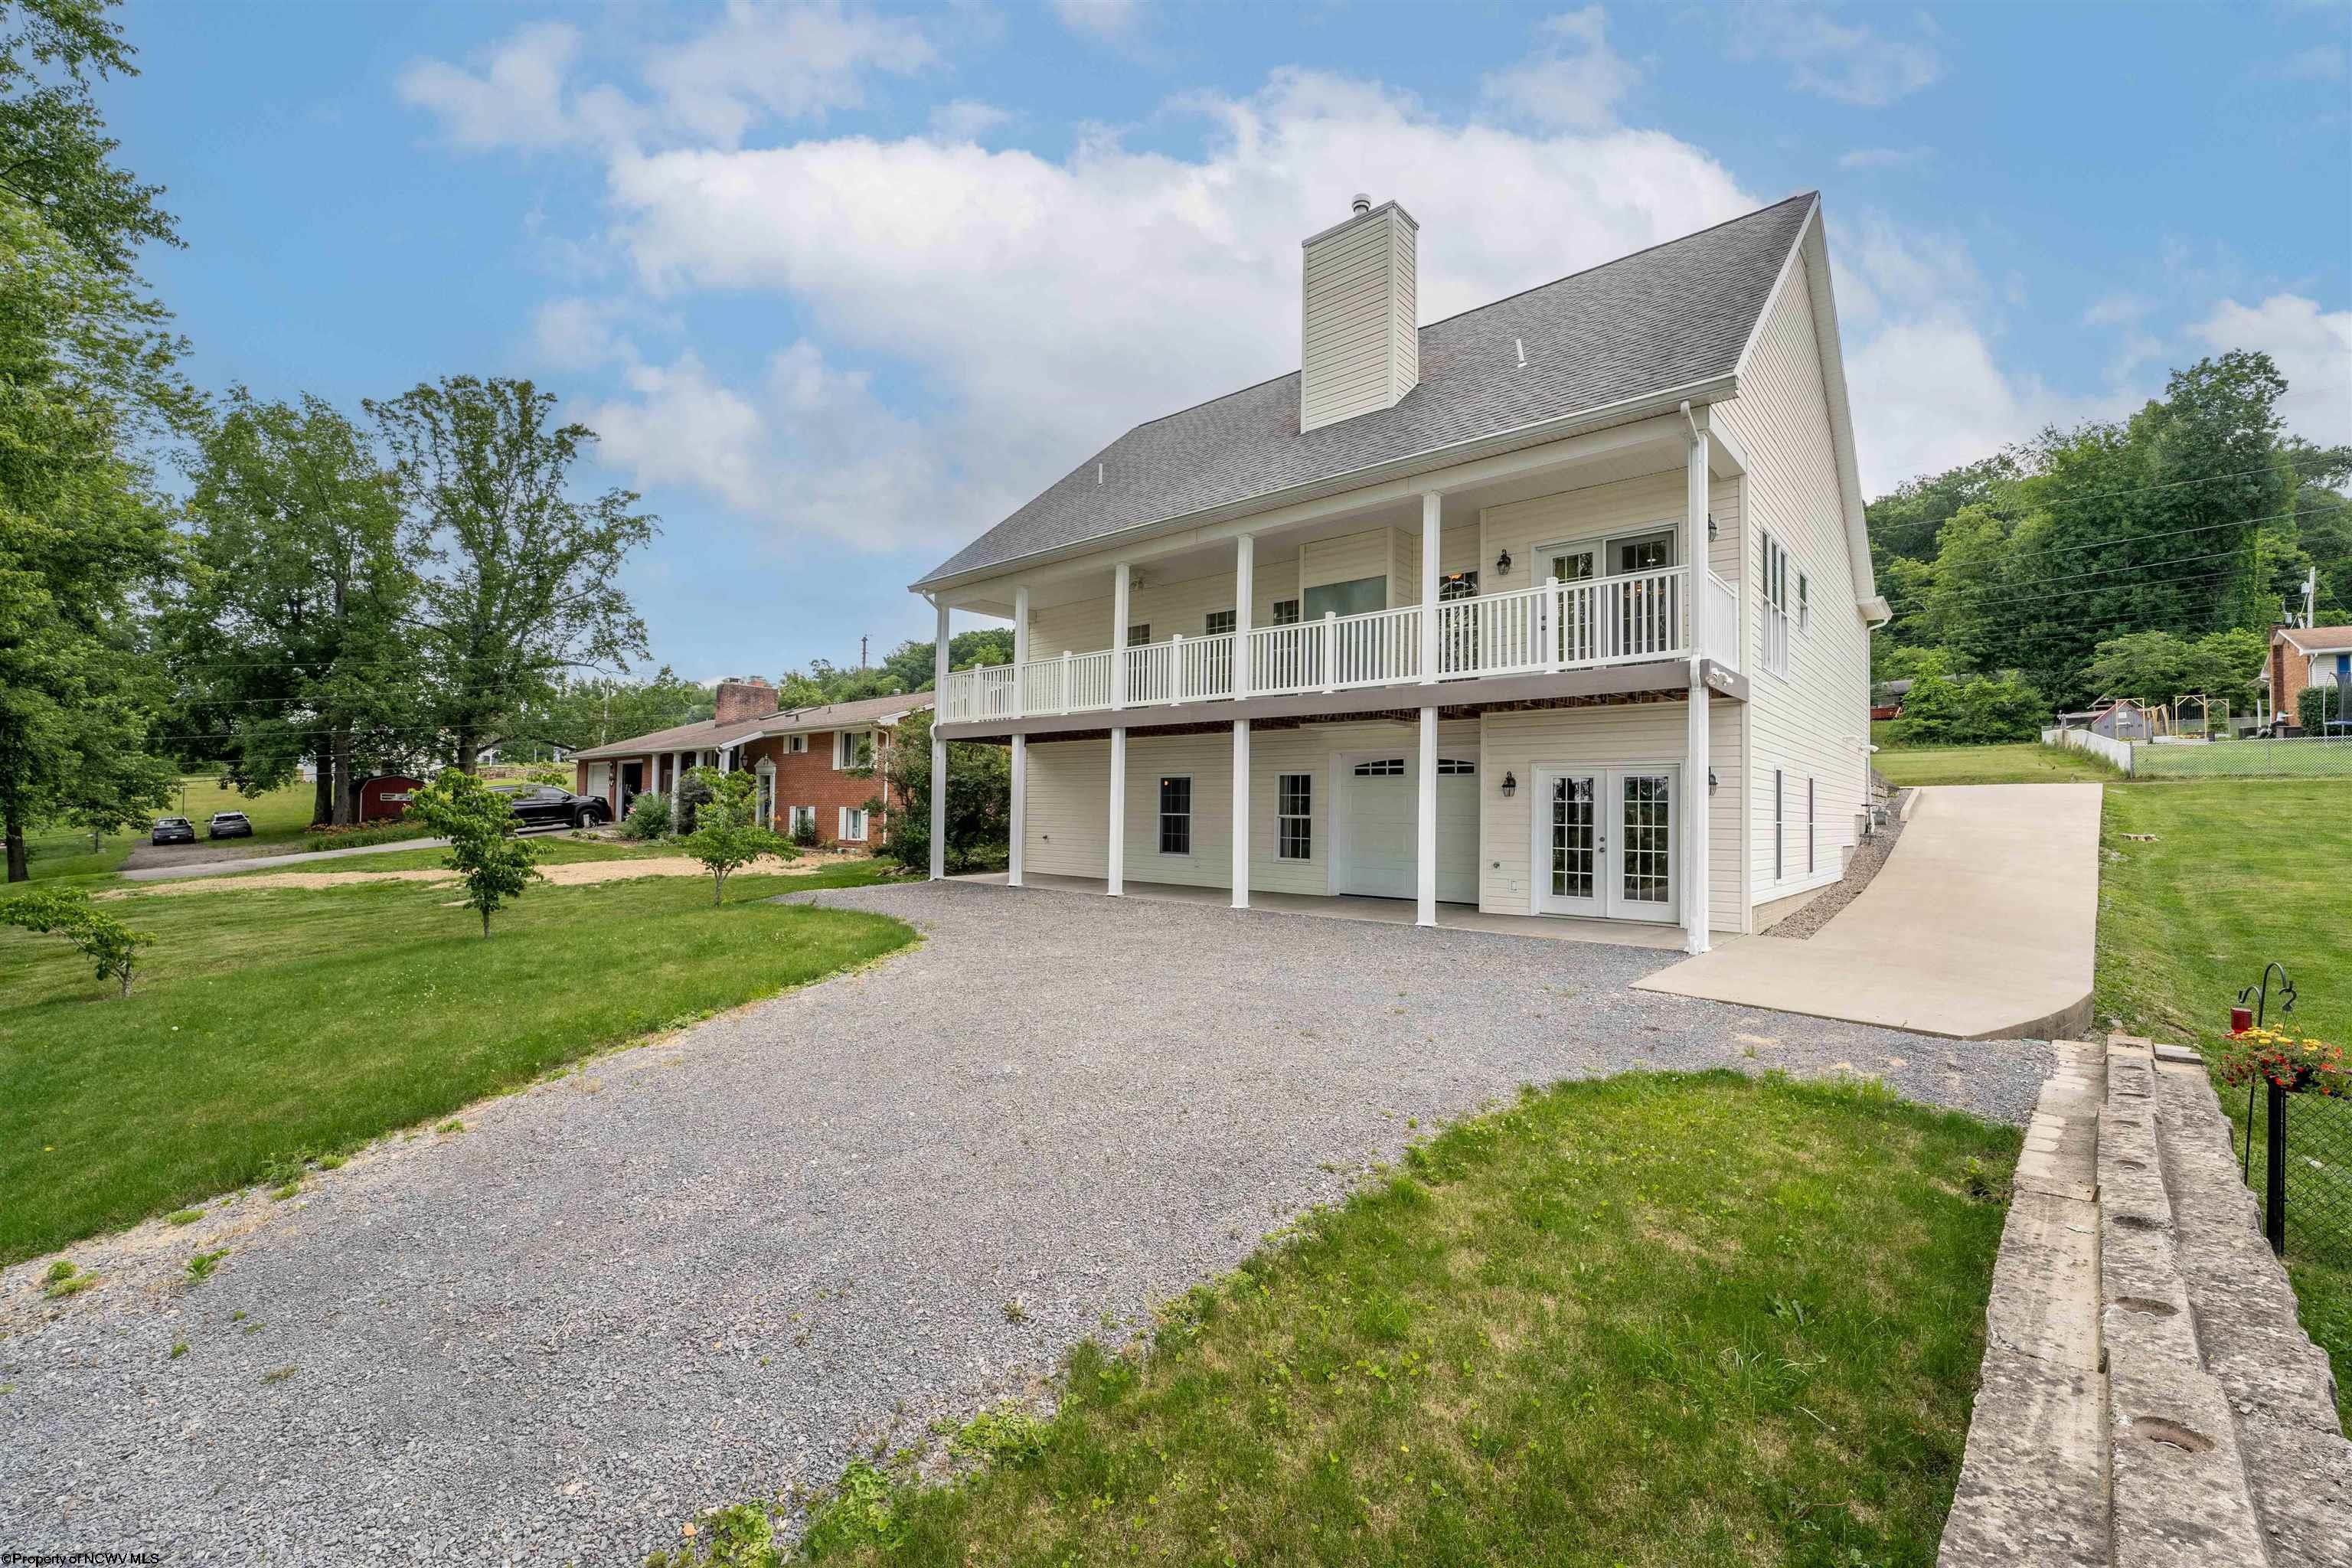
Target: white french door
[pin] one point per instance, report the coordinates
(1605, 844)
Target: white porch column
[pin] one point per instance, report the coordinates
(1114, 854)
(1696, 762)
(938, 748)
(1244, 590)
(1241, 814)
(1019, 827)
(1430, 516)
(1115, 859)
(1426, 861)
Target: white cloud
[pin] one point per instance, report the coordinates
(808, 449)
(2312, 348)
(576, 333)
(1574, 78)
(1040, 307)
(518, 99)
(792, 63)
(2321, 62)
(1112, 19)
(968, 119)
(1851, 63)
(1883, 157)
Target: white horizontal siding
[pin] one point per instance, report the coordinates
(1597, 513)
(1068, 814)
(1084, 626)
(1812, 724)
(1614, 736)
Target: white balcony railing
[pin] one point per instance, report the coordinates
(1551, 627)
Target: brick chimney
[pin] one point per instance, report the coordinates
(743, 698)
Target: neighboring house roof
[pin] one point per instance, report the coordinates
(2315, 639)
(1678, 315)
(707, 733)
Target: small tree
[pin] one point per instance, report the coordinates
(95, 934)
(648, 817)
(483, 849)
(728, 833)
(980, 798)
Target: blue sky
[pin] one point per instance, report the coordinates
(840, 285)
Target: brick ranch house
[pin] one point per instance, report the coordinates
(2303, 657)
(803, 757)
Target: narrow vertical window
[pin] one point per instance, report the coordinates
(1176, 817)
(1813, 828)
(1293, 797)
(1779, 835)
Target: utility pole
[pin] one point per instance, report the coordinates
(861, 655)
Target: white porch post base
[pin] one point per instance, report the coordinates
(1241, 813)
(1114, 868)
(1020, 825)
(1425, 862)
(1695, 825)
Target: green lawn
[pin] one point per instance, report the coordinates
(2026, 764)
(1678, 1318)
(2238, 872)
(274, 1023)
(279, 816)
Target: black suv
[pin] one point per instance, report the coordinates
(544, 805)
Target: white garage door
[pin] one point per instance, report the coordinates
(1378, 796)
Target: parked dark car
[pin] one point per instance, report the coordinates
(173, 830)
(229, 824)
(544, 805)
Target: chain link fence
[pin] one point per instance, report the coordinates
(2306, 757)
(2314, 1137)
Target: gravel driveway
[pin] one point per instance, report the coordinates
(738, 1259)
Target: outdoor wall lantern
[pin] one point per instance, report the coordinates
(1510, 783)
(1502, 565)
(1710, 781)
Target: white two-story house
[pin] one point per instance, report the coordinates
(1559, 607)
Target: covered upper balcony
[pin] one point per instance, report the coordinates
(1576, 556)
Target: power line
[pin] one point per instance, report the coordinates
(2210, 575)
(2129, 489)
(1963, 595)
(2121, 540)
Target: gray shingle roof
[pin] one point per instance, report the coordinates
(705, 733)
(1670, 316)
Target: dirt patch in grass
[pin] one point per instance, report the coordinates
(566, 874)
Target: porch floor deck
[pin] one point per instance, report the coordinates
(1388, 911)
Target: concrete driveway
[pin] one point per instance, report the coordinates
(1983, 924)
(726, 1265)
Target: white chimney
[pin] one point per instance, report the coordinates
(1360, 319)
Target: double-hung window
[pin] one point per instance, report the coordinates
(1176, 815)
(804, 820)
(795, 745)
(853, 825)
(1286, 612)
(1294, 805)
(1772, 601)
(1220, 622)
(853, 749)
(1139, 635)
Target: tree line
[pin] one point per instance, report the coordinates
(2146, 557)
(412, 583)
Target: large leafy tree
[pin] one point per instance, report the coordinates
(56, 158)
(518, 582)
(85, 369)
(589, 710)
(292, 635)
(86, 382)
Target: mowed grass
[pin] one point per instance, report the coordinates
(272, 1023)
(1651, 1320)
(2027, 763)
(2202, 883)
(279, 816)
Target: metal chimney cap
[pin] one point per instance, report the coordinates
(1361, 203)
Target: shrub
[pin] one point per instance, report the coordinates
(1981, 709)
(2317, 704)
(483, 849)
(804, 832)
(728, 834)
(110, 943)
(648, 817)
